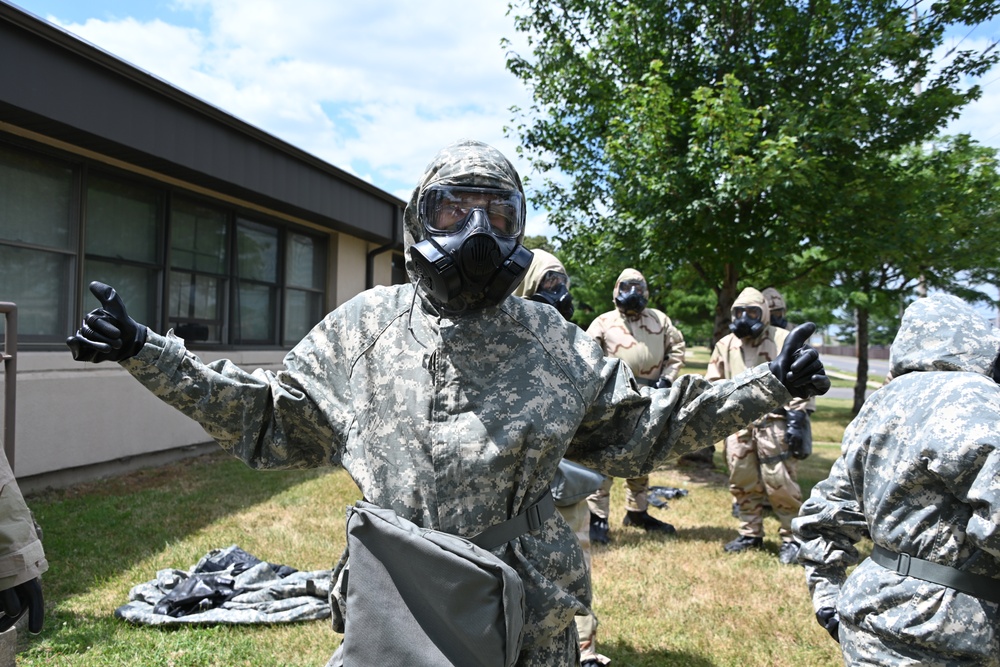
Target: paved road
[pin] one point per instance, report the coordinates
(849, 366)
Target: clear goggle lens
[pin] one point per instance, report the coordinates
(626, 286)
(753, 312)
(552, 280)
(446, 209)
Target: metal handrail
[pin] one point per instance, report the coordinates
(9, 356)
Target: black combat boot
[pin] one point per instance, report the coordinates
(742, 543)
(599, 529)
(647, 523)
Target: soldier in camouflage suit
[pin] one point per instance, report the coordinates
(646, 340)
(453, 414)
(762, 466)
(917, 474)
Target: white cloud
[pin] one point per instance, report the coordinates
(373, 88)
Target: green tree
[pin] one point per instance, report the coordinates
(722, 135)
(926, 219)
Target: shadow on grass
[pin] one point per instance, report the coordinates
(96, 530)
(624, 654)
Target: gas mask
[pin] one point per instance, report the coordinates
(472, 247)
(631, 299)
(747, 322)
(554, 291)
(778, 319)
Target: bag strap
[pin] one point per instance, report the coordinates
(530, 520)
(977, 585)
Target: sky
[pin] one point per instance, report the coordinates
(375, 88)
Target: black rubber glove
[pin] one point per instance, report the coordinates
(26, 597)
(798, 434)
(828, 618)
(662, 383)
(108, 333)
(798, 365)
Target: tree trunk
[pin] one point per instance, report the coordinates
(724, 303)
(861, 351)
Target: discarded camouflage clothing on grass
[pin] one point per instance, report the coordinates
(659, 495)
(229, 586)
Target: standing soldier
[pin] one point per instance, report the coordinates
(761, 458)
(646, 340)
(917, 475)
(450, 403)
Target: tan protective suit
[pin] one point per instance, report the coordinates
(760, 467)
(576, 515)
(653, 348)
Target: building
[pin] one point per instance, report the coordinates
(238, 241)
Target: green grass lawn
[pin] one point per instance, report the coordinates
(661, 601)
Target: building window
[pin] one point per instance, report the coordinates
(124, 242)
(213, 275)
(37, 243)
(199, 270)
(305, 259)
(256, 308)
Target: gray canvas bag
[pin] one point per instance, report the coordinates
(417, 596)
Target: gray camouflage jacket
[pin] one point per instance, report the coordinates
(456, 417)
(918, 472)
(458, 424)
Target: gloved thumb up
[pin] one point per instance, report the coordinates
(798, 366)
(107, 333)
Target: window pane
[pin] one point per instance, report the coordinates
(35, 200)
(306, 262)
(196, 304)
(302, 311)
(123, 220)
(255, 311)
(136, 285)
(37, 282)
(258, 252)
(198, 238)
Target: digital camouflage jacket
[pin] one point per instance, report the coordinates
(456, 422)
(918, 472)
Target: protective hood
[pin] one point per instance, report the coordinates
(752, 297)
(774, 299)
(542, 263)
(466, 162)
(630, 274)
(943, 333)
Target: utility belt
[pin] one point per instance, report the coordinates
(977, 585)
(527, 521)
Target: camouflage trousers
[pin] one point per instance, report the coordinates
(636, 496)
(760, 469)
(578, 518)
(865, 649)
